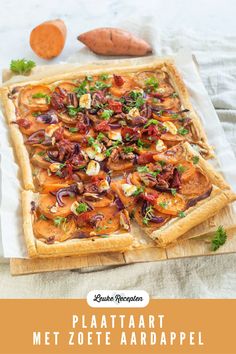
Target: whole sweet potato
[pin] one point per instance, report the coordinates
(114, 41)
(48, 39)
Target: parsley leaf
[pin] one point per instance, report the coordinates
(138, 191)
(73, 130)
(181, 214)
(128, 149)
(43, 217)
(81, 89)
(219, 239)
(59, 220)
(103, 77)
(22, 66)
(151, 121)
(42, 95)
(151, 84)
(81, 208)
(183, 131)
(173, 191)
(100, 136)
(142, 169)
(163, 205)
(148, 215)
(181, 168)
(195, 159)
(107, 113)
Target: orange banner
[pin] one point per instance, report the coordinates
(71, 326)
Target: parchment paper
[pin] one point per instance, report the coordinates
(11, 220)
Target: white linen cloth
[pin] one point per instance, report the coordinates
(199, 277)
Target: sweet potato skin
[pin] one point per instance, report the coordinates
(47, 40)
(114, 41)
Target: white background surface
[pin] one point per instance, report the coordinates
(180, 278)
(18, 18)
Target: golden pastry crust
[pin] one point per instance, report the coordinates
(117, 242)
(221, 195)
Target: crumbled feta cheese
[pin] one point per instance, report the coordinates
(160, 146)
(73, 208)
(170, 127)
(114, 135)
(85, 101)
(103, 186)
(54, 209)
(128, 189)
(134, 112)
(99, 157)
(93, 168)
(54, 167)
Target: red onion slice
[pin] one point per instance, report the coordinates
(119, 203)
(152, 218)
(194, 201)
(66, 192)
(47, 118)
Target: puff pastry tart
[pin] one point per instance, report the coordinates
(97, 147)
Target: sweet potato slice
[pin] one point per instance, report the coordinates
(114, 41)
(198, 184)
(47, 206)
(170, 204)
(35, 98)
(48, 39)
(38, 159)
(119, 91)
(32, 125)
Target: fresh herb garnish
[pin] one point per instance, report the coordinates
(92, 142)
(41, 153)
(148, 215)
(138, 191)
(81, 89)
(173, 191)
(162, 163)
(100, 136)
(138, 99)
(42, 95)
(142, 144)
(109, 150)
(219, 238)
(195, 159)
(72, 111)
(151, 121)
(163, 205)
(107, 113)
(128, 149)
(142, 169)
(103, 77)
(81, 208)
(89, 78)
(181, 214)
(43, 217)
(36, 114)
(183, 131)
(99, 85)
(151, 84)
(22, 66)
(73, 130)
(59, 220)
(181, 168)
(174, 94)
